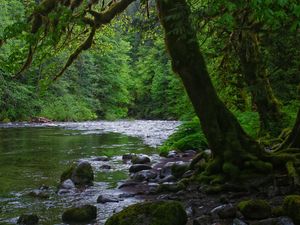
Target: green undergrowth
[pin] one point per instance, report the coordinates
(190, 136)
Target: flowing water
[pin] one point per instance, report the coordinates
(35, 155)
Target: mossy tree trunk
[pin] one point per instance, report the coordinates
(232, 148)
(255, 75)
(293, 140)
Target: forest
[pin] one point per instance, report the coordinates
(228, 71)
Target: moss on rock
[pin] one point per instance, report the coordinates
(82, 214)
(150, 213)
(255, 209)
(291, 207)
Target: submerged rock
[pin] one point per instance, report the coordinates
(150, 213)
(139, 167)
(140, 159)
(43, 194)
(81, 174)
(83, 214)
(274, 221)
(255, 209)
(102, 199)
(28, 219)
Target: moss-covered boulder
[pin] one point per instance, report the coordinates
(291, 207)
(81, 174)
(151, 213)
(255, 209)
(179, 168)
(83, 214)
(27, 219)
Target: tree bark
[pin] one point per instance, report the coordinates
(232, 148)
(293, 140)
(254, 73)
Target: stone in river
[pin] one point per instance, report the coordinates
(139, 167)
(28, 219)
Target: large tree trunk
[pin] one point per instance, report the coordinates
(232, 148)
(254, 73)
(293, 140)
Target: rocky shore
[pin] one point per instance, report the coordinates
(163, 183)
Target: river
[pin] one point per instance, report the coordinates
(35, 155)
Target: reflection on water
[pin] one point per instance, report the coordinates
(34, 156)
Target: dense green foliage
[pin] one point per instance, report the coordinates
(122, 76)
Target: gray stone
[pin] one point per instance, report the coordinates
(172, 154)
(169, 178)
(139, 167)
(105, 167)
(101, 158)
(274, 221)
(224, 211)
(127, 157)
(102, 199)
(140, 159)
(238, 222)
(67, 184)
(202, 220)
(144, 175)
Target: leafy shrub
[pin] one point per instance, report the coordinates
(67, 108)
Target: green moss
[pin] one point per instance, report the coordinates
(278, 211)
(291, 207)
(82, 214)
(260, 166)
(231, 170)
(170, 187)
(151, 213)
(179, 169)
(67, 174)
(214, 189)
(255, 209)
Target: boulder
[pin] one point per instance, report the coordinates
(127, 157)
(105, 167)
(170, 187)
(81, 174)
(83, 214)
(151, 213)
(144, 175)
(255, 209)
(172, 154)
(238, 222)
(67, 184)
(140, 159)
(102, 199)
(28, 219)
(224, 211)
(179, 168)
(274, 221)
(169, 178)
(139, 167)
(291, 207)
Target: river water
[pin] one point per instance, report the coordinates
(35, 155)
